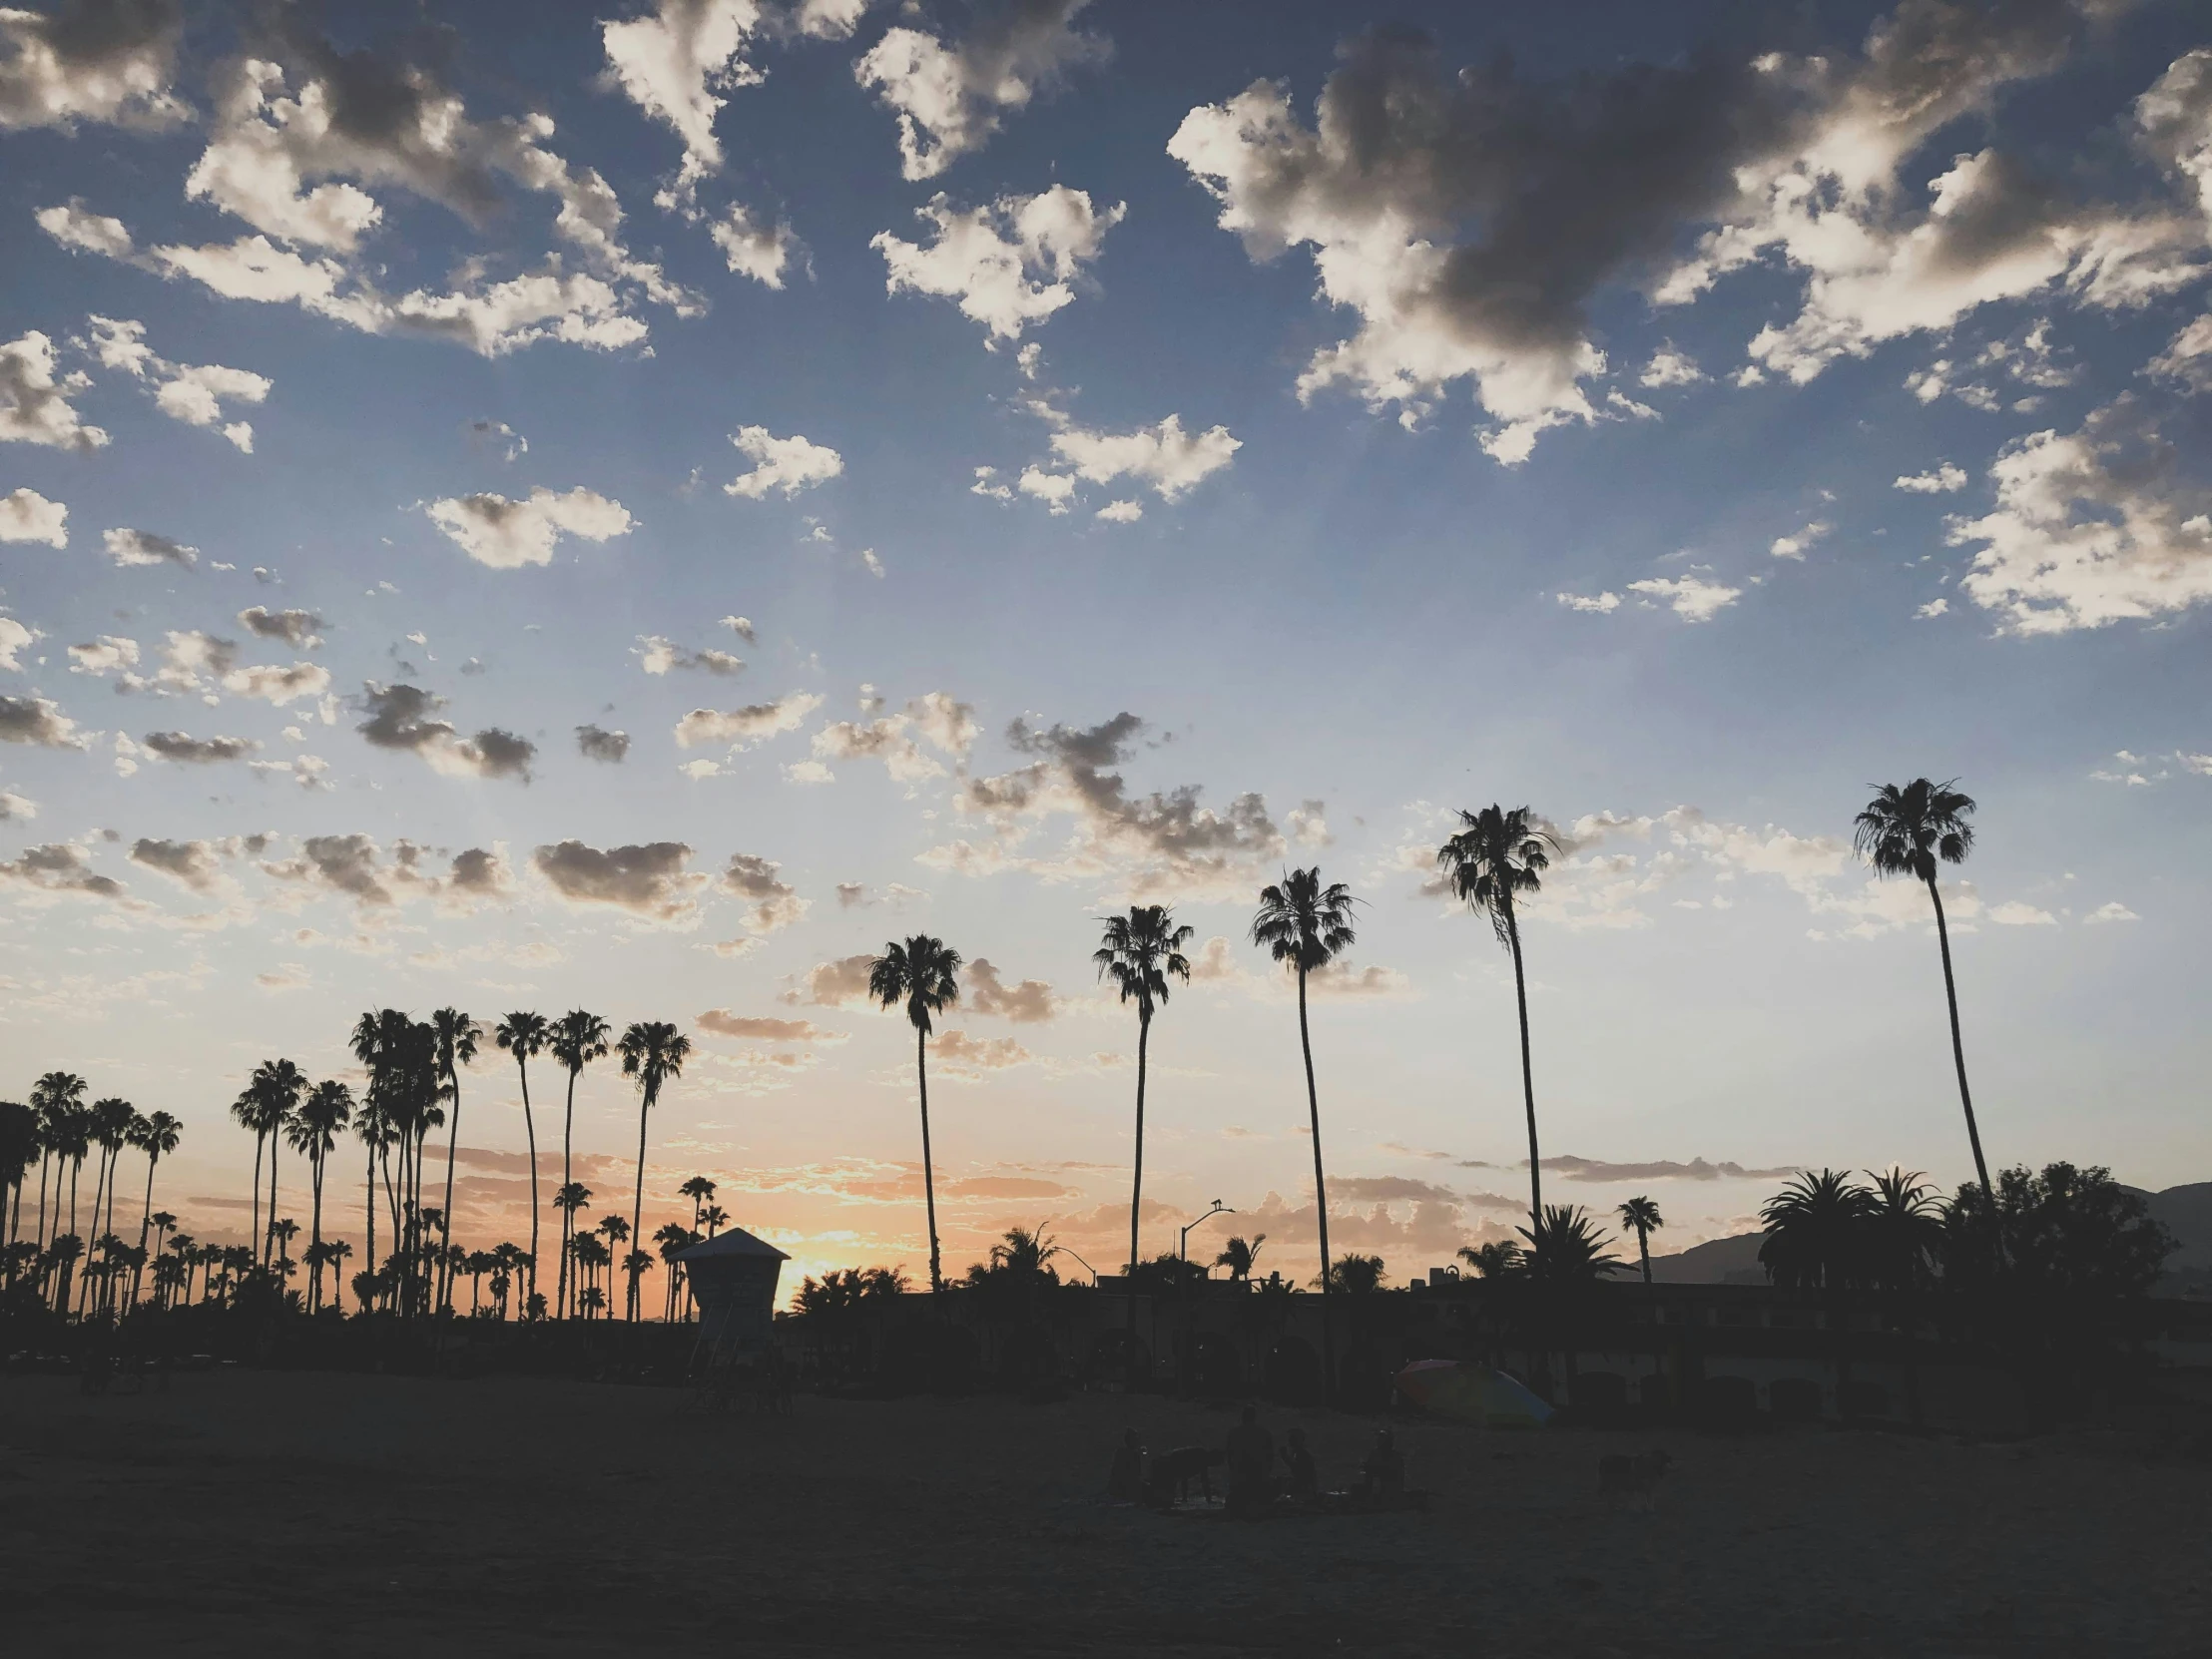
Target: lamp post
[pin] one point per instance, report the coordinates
(1182, 1283)
(1086, 1266)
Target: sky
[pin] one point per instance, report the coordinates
(633, 506)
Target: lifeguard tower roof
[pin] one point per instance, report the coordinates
(735, 1241)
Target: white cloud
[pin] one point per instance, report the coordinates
(743, 727)
(895, 740)
(1946, 478)
(142, 547)
(951, 99)
(277, 684)
(33, 720)
(2090, 527)
(81, 230)
(2114, 911)
(91, 61)
(507, 535)
(1120, 512)
(106, 655)
(1669, 367)
(1691, 597)
(1164, 456)
(1933, 609)
(751, 249)
(191, 393)
(788, 464)
(2013, 914)
(675, 59)
(657, 656)
(26, 516)
(1010, 264)
(14, 637)
(1598, 604)
(34, 402)
(2187, 359)
(1796, 546)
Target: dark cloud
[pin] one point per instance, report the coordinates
(344, 864)
(773, 902)
(33, 720)
(295, 628)
(596, 743)
(181, 746)
(61, 867)
(724, 1023)
(194, 863)
(403, 717)
(648, 880)
(1658, 1169)
(90, 60)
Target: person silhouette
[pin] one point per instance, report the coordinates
(1125, 1483)
(1383, 1473)
(1251, 1463)
(1297, 1457)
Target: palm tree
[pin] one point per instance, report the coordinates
(457, 1038)
(1143, 950)
(1355, 1275)
(1496, 856)
(524, 1035)
(578, 1039)
(1905, 832)
(111, 1132)
(1641, 1216)
(653, 1052)
(1308, 925)
(156, 1135)
(673, 1238)
(1565, 1247)
(1238, 1255)
(315, 1131)
(1495, 1260)
(1816, 1233)
(266, 1107)
(336, 1250)
(922, 973)
(713, 1218)
(56, 1097)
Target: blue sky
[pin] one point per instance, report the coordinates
(1678, 422)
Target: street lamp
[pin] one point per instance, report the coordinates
(1086, 1267)
(1183, 1249)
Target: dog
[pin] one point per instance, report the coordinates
(1622, 1481)
(1169, 1479)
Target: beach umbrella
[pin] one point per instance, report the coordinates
(1464, 1392)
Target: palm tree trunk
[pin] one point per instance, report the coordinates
(1528, 1084)
(637, 1205)
(146, 1221)
(275, 1139)
(445, 1240)
(929, 1168)
(1321, 1201)
(530, 1129)
(368, 1208)
(1959, 1047)
(1643, 1250)
(568, 1217)
(314, 1234)
(1136, 1191)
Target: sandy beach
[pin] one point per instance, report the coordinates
(345, 1515)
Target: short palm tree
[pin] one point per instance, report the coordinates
(1908, 831)
(653, 1052)
(1495, 1260)
(1238, 1255)
(1641, 1216)
(326, 1114)
(524, 1035)
(1565, 1247)
(924, 974)
(1495, 856)
(1816, 1237)
(578, 1039)
(457, 1038)
(1307, 925)
(156, 1135)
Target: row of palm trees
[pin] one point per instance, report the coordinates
(1494, 861)
(57, 1131)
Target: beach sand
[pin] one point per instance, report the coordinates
(253, 1513)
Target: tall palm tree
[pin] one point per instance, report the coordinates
(1907, 831)
(673, 1238)
(653, 1052)
(1143, 951)
(156, 1134)
(1308, 925)
(322, 1118)
(578, 1039)
(524, 1035)
(457, 1038)
(271, 1095)
(1641, 1216)
(1497, 855)
(111, 1132)
(924, 974)
(700, 1192)
(56, 1097)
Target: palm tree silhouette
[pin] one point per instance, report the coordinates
(111, 1132)
(700, 1192)
(1641, 1216)
(315, 1131)
(1905, 832)
(457, 1039)
(273, 1092)
(156, 1135)
(1143, 951)
(922, 973)
(1238, 1255)
(1565, 1247)
(675, 1238)
(653, 1052)
(1308, 925)
(524, 1035)
(578, 1039)
(1495, 1260)
(57, 1097)
(1496, 856)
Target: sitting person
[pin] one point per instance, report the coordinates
(1251, 1463)
(1125, 1483)
(1297, 1457)
(1383, 1473)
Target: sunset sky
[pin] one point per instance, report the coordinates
(631, 507)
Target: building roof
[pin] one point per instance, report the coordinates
(731, 1241)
